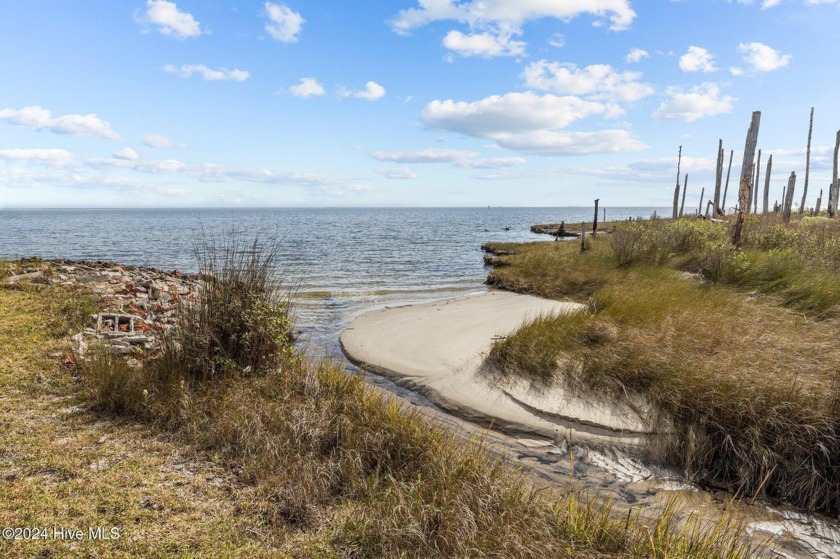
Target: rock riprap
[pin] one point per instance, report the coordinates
(138, 306)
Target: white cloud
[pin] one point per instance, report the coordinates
(372, 92)
(170, 21)
(763, 58)
(49, 157)
(156, 141)
(459, 158)
(735, 71)
(38, 118)
(557, 40)
(511, 14)
(308, 87)
(402, 173)
(697, 59)
(283, 24)
(485, 45)
(509, 113)
(126, 154)
(599, 81)
(701, 101)
(207, 73)
(636, 55)
(553, 142)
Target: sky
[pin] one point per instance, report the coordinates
(157, 103)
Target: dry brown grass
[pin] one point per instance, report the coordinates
(750, 386)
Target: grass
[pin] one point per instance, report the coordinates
(62, 465)
(347, 470)
(742, 364)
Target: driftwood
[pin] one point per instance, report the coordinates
(767, 183)
(718, 175)
(744, 187)
(807, 162)
(789, 199)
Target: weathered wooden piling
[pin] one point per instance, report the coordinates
(582, 236)
(789, 199)
(744, 187)
(767, 183)
(726, 188)
(718, 176)
(807, 162)
(595, 220)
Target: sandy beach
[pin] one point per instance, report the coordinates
(438, 349)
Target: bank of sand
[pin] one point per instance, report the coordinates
(438, 349)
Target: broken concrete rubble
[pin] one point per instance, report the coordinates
(138, 306)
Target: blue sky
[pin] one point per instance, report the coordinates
(406, 102)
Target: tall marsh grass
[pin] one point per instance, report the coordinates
(330, 457)
(751, 388)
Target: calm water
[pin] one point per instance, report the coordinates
(342, 261)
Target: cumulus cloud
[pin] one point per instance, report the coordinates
(763, 58)
(284, 24)
(509, 113)
(156, 141)
(38, 118)
(599, 81)
(511, 14)
(308, 87)
(126, 154)
(697, 59)
(207, 73)
(372, 92)
(636, 55)
(399, 173)
(699, 102)
(485, 45)
(169, 19)
(459, 158)
(49, 157)
(531, 123)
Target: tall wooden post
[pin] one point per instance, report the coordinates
(767, 183)
(718, 177)
(700, 208)
(726, 188)
(685, 187)
(835, 184)
(744, 187)
(756, 182)
(677, 188)
(595, 220)
(819, 203)
(807, 162)
(789, 199)
(582, 236)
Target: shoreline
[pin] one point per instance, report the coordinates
(437, 349)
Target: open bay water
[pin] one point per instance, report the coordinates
(340, 262)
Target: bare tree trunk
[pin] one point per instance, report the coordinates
(807, 162)
(835, 185)
(710, 205)
(718, 177)
(789, 199)
(784, 197)
(819, 203)
(700, 207)
(726, 189)
(750, 193)
(744, 187)
(677, 188)
(756, 182)
(685, 187)
(767, 184)
(595, 220)
(582, 236)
